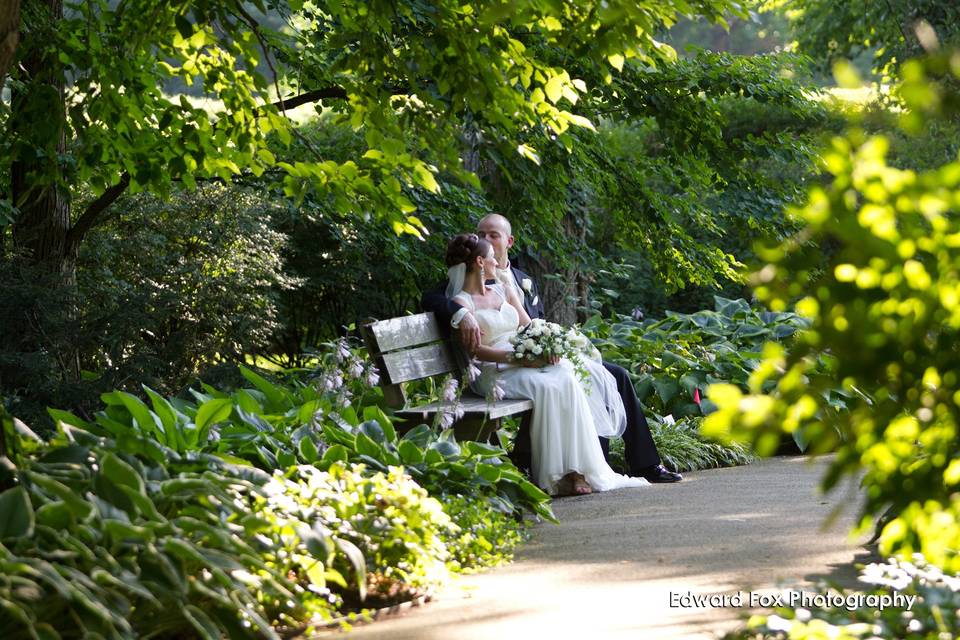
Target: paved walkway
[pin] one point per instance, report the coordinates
(608, 570)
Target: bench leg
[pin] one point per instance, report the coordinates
(476, 428)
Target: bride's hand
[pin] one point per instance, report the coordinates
(541, 362)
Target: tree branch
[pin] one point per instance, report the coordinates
(329, 93)
(90, 216)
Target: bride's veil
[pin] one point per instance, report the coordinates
(455, 276)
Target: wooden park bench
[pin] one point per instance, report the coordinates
(412, 348)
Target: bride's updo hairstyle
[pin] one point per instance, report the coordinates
(465, 248)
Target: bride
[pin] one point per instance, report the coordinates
(567, 415)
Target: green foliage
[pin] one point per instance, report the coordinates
(884, 308)
(119, 545)
(678, 357)
(831, 30)
(757, 33)
(674, 158)
(330, 416)
(171, 287)
(933, 615)
(485, 538)
(394, 70)
(390, 535)
(349, 268)
(512, 55)
(682, 447)
(152, 519)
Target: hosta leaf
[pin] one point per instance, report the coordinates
(121, 473)
(366, 446)
(56, 515)
(16, 514)
(421, 435)
(125, 532)
(373, 430)
(446, 448)
(202, 623)
(213, 411)
(357, 563)
(276, 396)
(666, 388)
(374, 412)
(67, 418)
(163, 409)
(489, 472)
(80, 507)
(336, 453)
(410, 453)
(246, 401)
(308, 450)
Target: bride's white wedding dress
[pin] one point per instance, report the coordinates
(567, 415)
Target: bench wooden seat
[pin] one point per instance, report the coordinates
(412, 348)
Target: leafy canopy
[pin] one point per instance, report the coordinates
(406, 73)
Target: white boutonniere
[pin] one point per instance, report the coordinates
(527, 284)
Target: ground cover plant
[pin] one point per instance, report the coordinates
(250, 512)
(675, 359)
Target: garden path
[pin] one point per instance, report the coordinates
(607, 571)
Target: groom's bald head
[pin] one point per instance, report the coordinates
(496, 230)
(496, 220)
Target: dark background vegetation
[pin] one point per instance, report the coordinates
(654, 211)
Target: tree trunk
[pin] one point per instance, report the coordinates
(561, 295)
(42, 225)
(41, 228)
(9, 35)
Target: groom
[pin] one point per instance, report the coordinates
(641, 452)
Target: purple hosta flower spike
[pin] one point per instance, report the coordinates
(446, 419)
(373, 377)
(450, 390)
(356, 369)
(473, 371)
(343, 350)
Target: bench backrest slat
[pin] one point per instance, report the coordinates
(408, 331)
(405, 349)
(417, 363)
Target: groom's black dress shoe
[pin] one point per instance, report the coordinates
(659, 474)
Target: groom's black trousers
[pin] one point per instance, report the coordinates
(639, 449)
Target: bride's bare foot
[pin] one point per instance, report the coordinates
(577, 483)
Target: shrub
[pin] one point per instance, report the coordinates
(101, 539)
(886, 310)
(485, 537)
(127, 538)
(674, 359)
(385, 522)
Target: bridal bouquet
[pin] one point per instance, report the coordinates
(542, 339)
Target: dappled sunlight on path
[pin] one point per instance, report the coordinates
(610, 568)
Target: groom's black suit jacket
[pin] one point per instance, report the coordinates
(640, 451)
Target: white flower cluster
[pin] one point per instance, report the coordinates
(542, 339)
